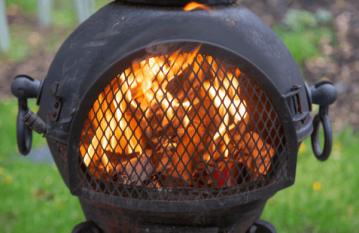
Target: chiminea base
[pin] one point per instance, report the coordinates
(86, 227)
(259, 226)
(234, 219)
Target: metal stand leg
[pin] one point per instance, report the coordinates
(86, 227)
(261, 226)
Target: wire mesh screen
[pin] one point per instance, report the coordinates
(182, 126)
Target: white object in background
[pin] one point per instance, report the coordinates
(44, 12)
(4, 29)
(84, 9)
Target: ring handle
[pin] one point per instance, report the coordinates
(323, 118)
(23, 132)
(24, 87)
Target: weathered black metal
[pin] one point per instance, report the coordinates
(106, 45)
(24, 87)
(261, 226)
(86, 227)
(299, 114)
(322, 117)
(235, 219)
(34, 122)
(323, 94)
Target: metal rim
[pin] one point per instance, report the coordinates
(178, 2)
(182, 206)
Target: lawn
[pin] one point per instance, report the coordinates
(324, 196)
(33, 197)
(27, 38)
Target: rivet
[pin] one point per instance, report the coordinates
(48, 115)
(53, 114)
(56, 105)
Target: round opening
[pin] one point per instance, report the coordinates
(184, 123)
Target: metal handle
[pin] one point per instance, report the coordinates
(323, 118)
(23, 133)
(24, 87)
(324, 94)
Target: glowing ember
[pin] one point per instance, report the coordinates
(176, 120)
(194, 5)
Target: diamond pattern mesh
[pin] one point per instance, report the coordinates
(183, 126)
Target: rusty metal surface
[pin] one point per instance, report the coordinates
(34, 122)
(59, 154)
(110, 219)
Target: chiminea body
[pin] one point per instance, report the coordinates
(165, 120)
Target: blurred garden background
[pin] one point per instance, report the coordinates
(323, 36)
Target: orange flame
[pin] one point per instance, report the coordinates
(164, 92)
(194, 5)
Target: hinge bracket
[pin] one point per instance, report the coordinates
(299, 114)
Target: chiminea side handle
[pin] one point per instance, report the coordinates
(24, 87)
(23, 133)
(323, 94)
(323, 118)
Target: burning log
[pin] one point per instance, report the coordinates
(203, 174)
(228, 175)
(163, 165)
(259, 152)
(176, 123)
(163, 162)
(136, 169)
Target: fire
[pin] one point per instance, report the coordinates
(194, 5)
(167, 113)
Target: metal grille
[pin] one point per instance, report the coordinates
(183, 126)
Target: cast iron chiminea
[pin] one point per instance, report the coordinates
(162, 119)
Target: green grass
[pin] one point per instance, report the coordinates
(28, 7)
(8, 114)
(64, 22)
(302, 42)
(33, 197)
(324, 196)
(301, 31)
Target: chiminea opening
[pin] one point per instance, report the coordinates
(181, 126)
